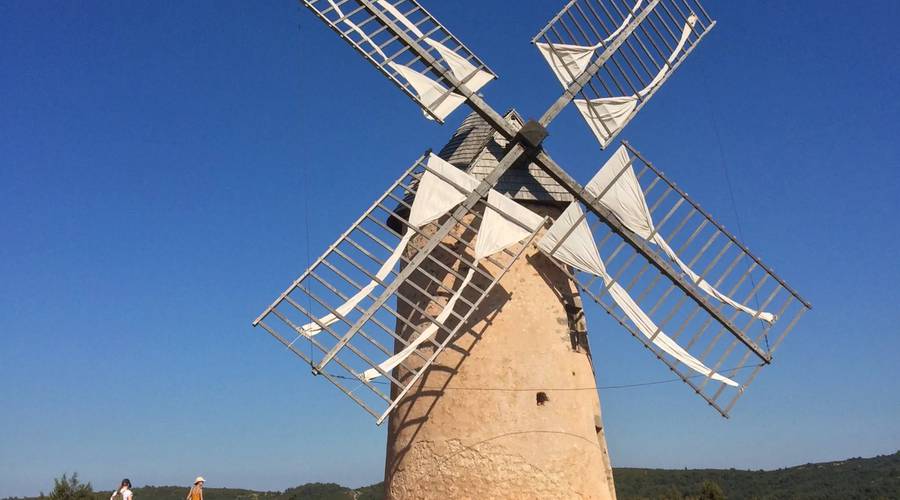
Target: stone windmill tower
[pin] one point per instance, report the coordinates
(452, 306)
(511, 409)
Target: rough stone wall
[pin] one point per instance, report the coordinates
(475, 425)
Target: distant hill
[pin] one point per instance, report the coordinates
(855, 478)
(875, 478)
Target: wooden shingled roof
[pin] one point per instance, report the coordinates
(476, 148)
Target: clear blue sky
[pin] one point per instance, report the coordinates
(158, 164)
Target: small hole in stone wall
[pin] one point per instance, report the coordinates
(542, 398)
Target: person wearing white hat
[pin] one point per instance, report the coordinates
(196, 492)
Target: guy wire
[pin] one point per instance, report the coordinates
(599, 387)
(305, 175)
(724, 164)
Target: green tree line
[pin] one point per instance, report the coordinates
(876, 478)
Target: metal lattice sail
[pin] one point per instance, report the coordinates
(741, 301)
(633, 241)
(609, 94)
(439, 77)
(347, 303)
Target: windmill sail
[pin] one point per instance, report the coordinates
(439, 101)
(316, 326)
(642, 61)
(570, 240)
(630, 196)
(395, 360)
(439, 82)
(616, 187)
(332, 306)
(435, 197)
(569, 61)
(505, 223)
(464, 71)
(607, 115)
(389, 7)
(363, 36)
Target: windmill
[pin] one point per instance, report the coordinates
(452, 306)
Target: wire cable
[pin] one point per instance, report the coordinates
(723, 162)
(305, 175)
(597, 387)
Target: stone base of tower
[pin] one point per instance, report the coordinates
(510, 409)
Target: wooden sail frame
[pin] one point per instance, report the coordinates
(638, 59)
(380, 44)
(343, 349)
(720, 259)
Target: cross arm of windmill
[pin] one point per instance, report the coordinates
(610, 59)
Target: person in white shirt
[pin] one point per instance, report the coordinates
(124, 490)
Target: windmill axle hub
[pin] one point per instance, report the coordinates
(533, 133)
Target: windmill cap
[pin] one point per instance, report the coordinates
(199, 480)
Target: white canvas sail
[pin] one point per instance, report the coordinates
(625, 22)
(576, 247)
(497, 232)
(389, 7)
(566, 61)
(606, 116)
(569, 61)
(357, 29)
(314, 328)
(462, 69)
(623, 196)
(649, 329)
(433, 95)
(434, 198)
(622, 193)
(707, 287)
(685, 33)
(569, 240)
(428, 332)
